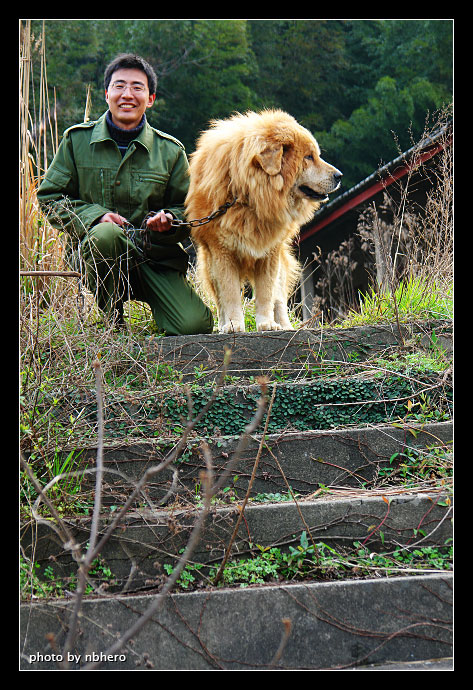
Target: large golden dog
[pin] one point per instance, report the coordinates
(273, 166)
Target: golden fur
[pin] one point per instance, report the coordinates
(273, 165)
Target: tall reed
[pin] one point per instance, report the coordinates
(39, 243)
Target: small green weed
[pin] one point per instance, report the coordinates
(275, 497)
(414, 298)
(49, 585)
(425, 410)
(415, 465)
(319, 562)
(188, 575)
(66, 492)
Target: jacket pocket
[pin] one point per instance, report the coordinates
(149, 188)
(58, 178)
(94, 185)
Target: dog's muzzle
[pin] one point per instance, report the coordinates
(322, 196)
(312, 194)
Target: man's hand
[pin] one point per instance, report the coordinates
(161, 222)
(113, 218)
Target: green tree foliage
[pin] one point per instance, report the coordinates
(298, 64)
(211, 82)
(381, 129)
(409, 64)
(353, 83)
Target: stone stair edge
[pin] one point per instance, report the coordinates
(273, 349)
(351, 497)
(146, 537)
(224, 591)
(268, 349)
(339, 625)
(306, 434)
(409, 327)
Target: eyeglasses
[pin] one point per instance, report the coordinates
(135, 88)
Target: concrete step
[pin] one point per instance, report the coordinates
(445, 664)
(302, 405)
(319, 396)
(331, 626)
(307, 461)
(291, 353)
(146, 540)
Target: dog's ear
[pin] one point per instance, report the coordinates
(270, 159)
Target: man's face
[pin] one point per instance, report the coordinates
(128, 97)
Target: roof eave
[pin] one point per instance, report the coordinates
(377, 181)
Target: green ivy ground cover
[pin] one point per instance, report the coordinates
(316, 405)
(319, 404)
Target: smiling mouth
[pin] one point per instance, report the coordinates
(308, 191)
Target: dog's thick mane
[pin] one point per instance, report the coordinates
(266, 194)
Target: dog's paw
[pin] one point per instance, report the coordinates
(268, 326)
(286, 326)
(232, 327)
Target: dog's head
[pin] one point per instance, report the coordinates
(290, 157)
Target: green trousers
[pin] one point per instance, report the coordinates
(117, 272)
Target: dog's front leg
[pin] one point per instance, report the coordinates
(227, 288)
(266, 271)
(230, 317)
(234, 322)
(281, 315)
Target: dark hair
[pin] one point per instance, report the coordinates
(131, 61)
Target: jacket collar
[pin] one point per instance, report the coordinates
(101, 133)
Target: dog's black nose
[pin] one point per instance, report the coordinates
(337, 176)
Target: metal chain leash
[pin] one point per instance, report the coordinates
(145, 233)
(207, 219)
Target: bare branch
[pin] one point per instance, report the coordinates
(245, 500)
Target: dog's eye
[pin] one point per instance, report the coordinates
(310, 157)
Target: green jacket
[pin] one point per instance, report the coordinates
(88, 178)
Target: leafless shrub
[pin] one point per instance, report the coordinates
(398, 240)
(418, 242)
(335, 288)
